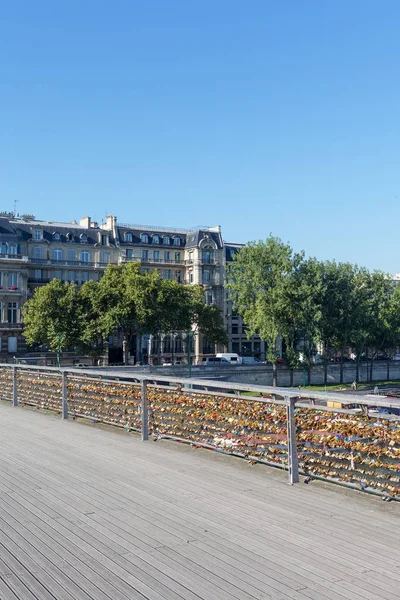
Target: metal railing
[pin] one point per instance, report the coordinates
(287, 428)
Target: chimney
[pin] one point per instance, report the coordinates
(85, 222)
(110, 223)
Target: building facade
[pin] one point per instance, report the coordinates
(33, 252)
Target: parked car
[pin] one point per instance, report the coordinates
(396, 357)
(231, 357)
(250, 360)
(217, 361)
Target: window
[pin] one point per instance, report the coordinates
(235, 329)
(178, 345)
(156, 255)
(38, 274)
(71, 276)
(207, 256)
(177, 256)
(178, 276)
(37, 252)
(84, 276)
(12, 312)
(144, 238)
(83, 237)
(206, 276)
(58, 254)
(71, 255)
(129, 254)
(38, 235)
(166, 256)
(12, 280)
(105, 257)
(128, 237)
(167, 273)
(208, 347)
(145, 254)
(209, 298)
(145, 270)
(156, 239)
(166, 240)
(84, 256)
(190, 276)
(167, 344)
(104, 240)
(1, 285)
(56, 236)
(4, 248)
(177, 241)
(236, 347)
(12, 249)
(58, 274)
(12, 344)
(70, 237)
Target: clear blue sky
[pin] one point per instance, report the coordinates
(261, 116)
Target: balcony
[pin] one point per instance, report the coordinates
(14, 257)
(4, 326)
(152, 261)
(38, 280)
(68, 263)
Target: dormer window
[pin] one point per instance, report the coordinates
(12, 249)
(166, 240)
(56, 236)
(177, 241)
(38, 235)
(83, 237)
(144, 238)
(70, 237)
(128, 237)
(156, 239)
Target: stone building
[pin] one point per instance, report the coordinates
(33, 252)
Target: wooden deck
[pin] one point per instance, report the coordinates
(91, 513)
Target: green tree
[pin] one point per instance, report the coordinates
(51, 316)
(258, 280)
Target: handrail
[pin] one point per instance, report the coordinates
(289, 428)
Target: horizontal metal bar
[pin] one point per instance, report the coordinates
(299, 395)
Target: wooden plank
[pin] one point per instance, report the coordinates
(92, 513)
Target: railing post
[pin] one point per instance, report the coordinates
(293, 462)
(64, 412)
(15, 387)
(145, 411)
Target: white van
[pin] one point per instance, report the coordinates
(231, 357)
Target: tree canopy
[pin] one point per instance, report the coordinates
(124, 300)
(312, 305)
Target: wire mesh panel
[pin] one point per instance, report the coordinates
(6, 384)
(355, 449)
(39, 389)
(250, 428)
(108, 402)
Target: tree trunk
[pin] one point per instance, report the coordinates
(357, 369)
(388, 370)
(291, 377)
(274, 376)
(366, 364)
(341, 365)
(308, 375)
(371, 368)
(326, 362)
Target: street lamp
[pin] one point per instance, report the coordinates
(189, 336)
